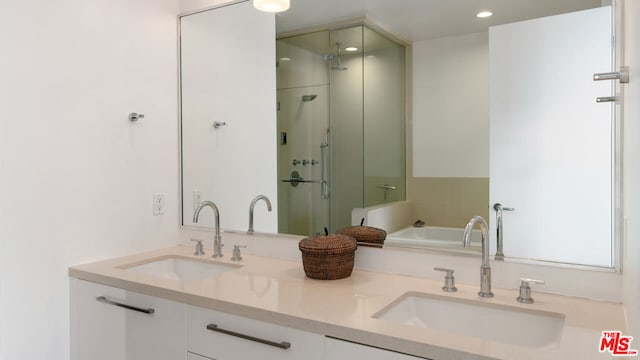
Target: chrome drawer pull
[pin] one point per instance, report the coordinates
(281, 345)
(103, 299)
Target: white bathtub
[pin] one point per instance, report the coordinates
(433, 237)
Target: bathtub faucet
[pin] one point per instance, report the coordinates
(499, 224)
(485, 269)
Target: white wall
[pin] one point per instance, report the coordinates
(228, 75)
(631, 176)
(451, 106)
(551, 143)
(77, 177)
(194, 5)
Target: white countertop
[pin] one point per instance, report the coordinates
(277, 291)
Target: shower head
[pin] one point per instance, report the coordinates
(308, 97)
(338, 58)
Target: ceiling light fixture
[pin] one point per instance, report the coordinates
(272, 6)
(351, 48)
(484, 14)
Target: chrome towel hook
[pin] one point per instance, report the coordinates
(135, 116)
(622, 75)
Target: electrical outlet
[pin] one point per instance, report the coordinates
(197, 199)
(158, 204)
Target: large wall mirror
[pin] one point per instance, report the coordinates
(490, 110)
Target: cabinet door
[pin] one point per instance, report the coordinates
(339, 349)
(227, 337)
(192, 356)
(116, 324)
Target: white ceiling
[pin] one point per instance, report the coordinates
(415, 20)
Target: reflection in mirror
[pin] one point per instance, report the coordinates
(551, 144)
(341, 125)
(449, 130)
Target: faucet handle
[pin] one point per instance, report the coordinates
(237, 256)
(199, 247)
(499, 207)
(525, 290)
(449, 280)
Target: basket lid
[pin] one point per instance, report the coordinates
(363, 232)
(328, 244)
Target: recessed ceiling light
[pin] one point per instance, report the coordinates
(484, 14)
(285, 59)
(351, 48)
(272, 6)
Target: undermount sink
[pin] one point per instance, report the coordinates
(501, 323)
(179, 268)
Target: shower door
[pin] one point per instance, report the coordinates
(303, 159)
(384, 119)
(340, 125)
(303, 131)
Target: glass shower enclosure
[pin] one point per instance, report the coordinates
(341, 126)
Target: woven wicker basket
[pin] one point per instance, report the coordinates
(328, 257)
(365, 235)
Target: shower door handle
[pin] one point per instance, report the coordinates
(300, 180)
(386, 188)
(295, 178)
(324, 192)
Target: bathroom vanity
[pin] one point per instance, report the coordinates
(171, 304)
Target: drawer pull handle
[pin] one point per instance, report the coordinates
(103, 299)
(281, 345)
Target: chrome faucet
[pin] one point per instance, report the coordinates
(499, 225)
(217, 239)
(485, 269)
(253, 205)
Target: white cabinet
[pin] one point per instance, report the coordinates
(227, 337)
(339, 349)
(192, 356)
(112, 323)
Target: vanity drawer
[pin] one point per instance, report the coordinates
(227, 337)
(192, 356)
(113, 323)
(340, 349)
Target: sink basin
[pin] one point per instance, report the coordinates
(179, 268)
(501, 323)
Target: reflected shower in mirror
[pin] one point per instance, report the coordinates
(447, 121)
(341, 123)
